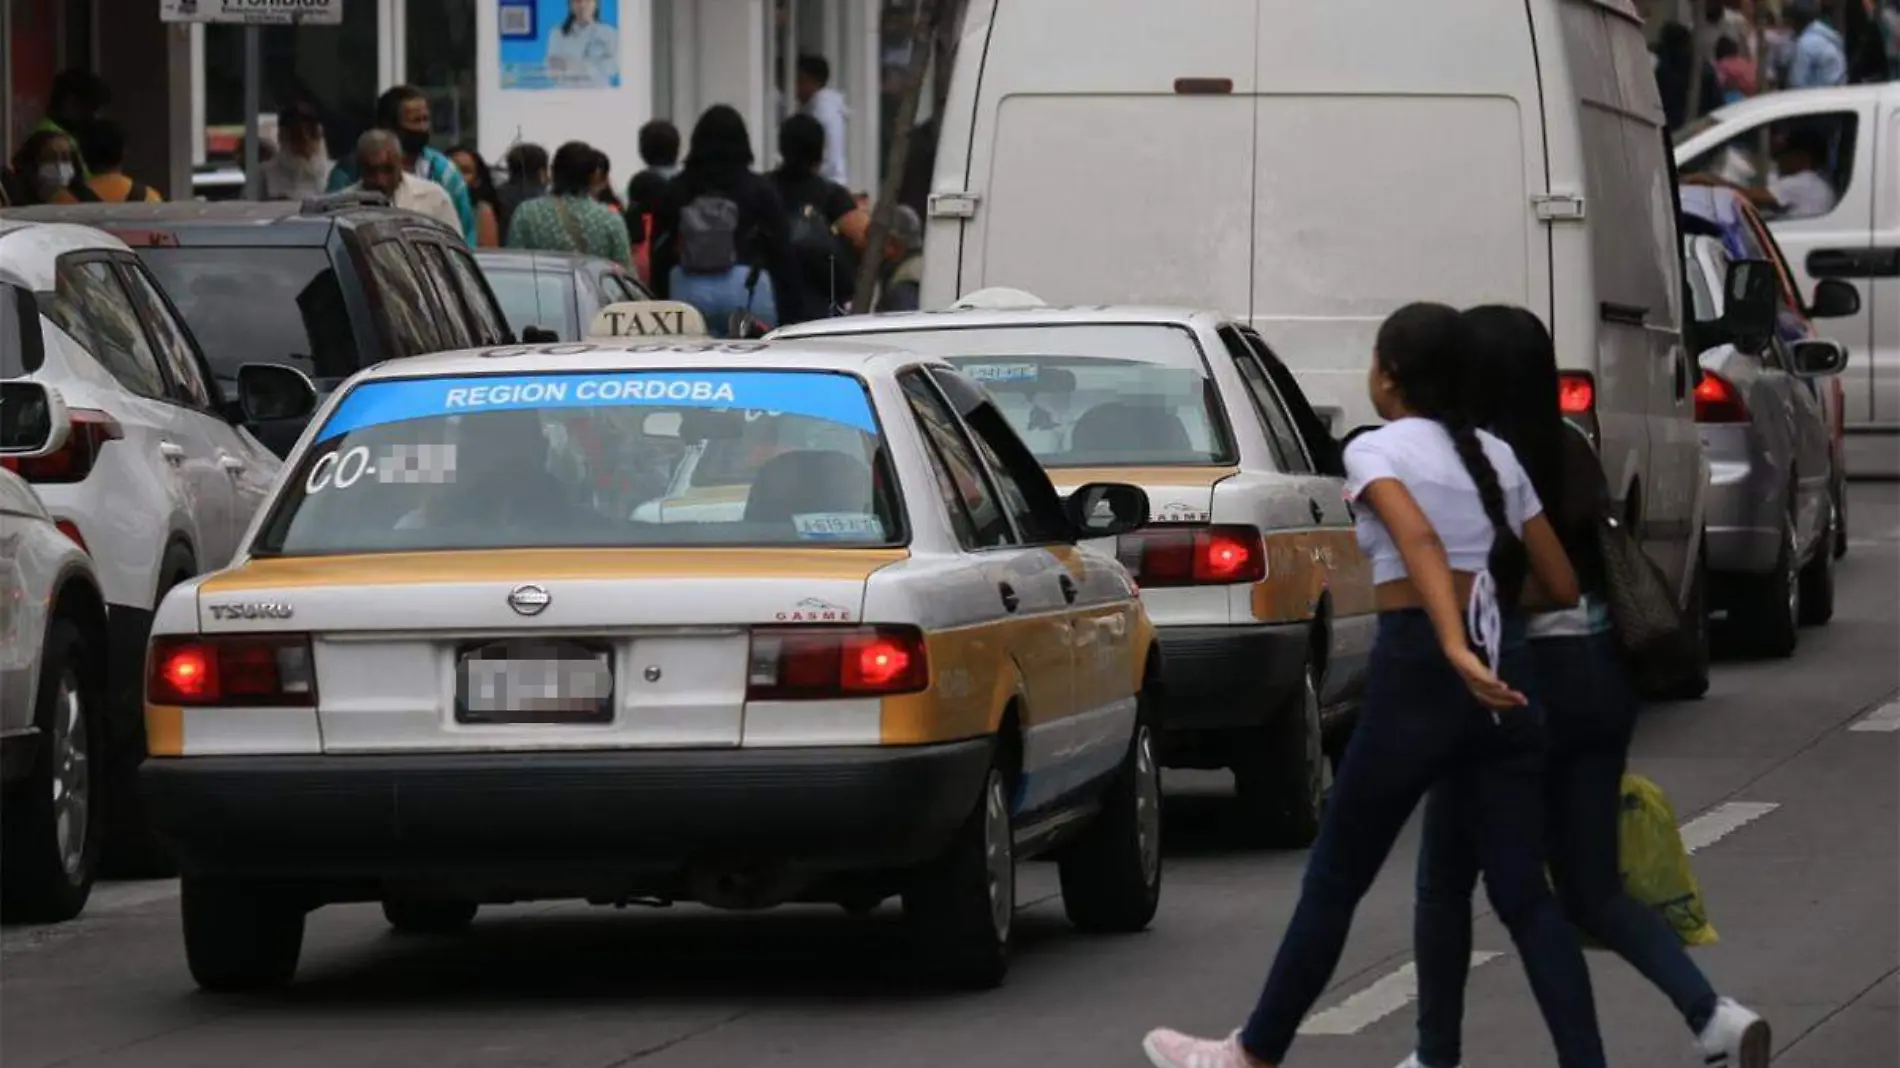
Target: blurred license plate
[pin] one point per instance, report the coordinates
(534, 682)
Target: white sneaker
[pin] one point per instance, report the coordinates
(1414, 1062)
(1735, 1038)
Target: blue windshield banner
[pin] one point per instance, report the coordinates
(816, 395)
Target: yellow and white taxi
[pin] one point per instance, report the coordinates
(1259, 593)
(470, 653)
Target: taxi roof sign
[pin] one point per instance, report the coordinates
(648, 319)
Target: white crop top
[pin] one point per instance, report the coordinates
(1420, 453)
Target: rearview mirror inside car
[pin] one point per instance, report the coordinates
(539, 335)
(1834, 299)
(1753, 291)
(270, 392)
(33, 420)
(1818, 358)
(1107, 509)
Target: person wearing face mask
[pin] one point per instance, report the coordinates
(302, 164)
(77, 98)
(404, 112)
(45, 171)
(379, 160)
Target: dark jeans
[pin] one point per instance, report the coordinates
(1420, 725)
(1591, 712)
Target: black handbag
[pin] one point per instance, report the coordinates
(1650, 626)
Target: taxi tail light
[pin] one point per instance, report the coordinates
(75, 459)
(819, 663)
(232, 670)
(1718, 401)
(1195, 556)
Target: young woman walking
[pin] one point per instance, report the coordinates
(1590, 708)
(1452, 525)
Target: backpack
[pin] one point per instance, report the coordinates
(822, 257)
(709, 235)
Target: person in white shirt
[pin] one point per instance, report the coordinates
(380, 170)
(818, 99)
(1799, 189)
(301, 168)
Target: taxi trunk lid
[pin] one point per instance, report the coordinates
(497, 650)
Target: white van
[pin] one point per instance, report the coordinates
(1857, 240)
(1312, 166)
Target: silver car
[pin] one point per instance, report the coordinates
(1771, 518)
(52, 675)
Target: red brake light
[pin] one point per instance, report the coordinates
(1576, 393)
(74, 461)
(232, 670)
(1194, 556)
(71, 530)
(1716, 401)
(818, 663)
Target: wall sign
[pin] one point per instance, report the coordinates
(559, 44)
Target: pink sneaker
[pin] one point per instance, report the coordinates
(1172, 1049)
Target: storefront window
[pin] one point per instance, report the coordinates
(441, 62)
(332, 66)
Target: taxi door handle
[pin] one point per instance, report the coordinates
(1011, 602)
(1068, 588)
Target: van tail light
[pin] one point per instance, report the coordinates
(74, 460)
(1194, 556)
(236, 670)
(820, 663)
(71, 530)
(1718, 401)
(1576, 393)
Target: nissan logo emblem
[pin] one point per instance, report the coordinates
(529, 600)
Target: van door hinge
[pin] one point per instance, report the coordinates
(953, 205)
(1559, 207)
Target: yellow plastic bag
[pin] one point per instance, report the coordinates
(1654, 864)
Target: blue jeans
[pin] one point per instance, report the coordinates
(1420, 725)
(1591, 710)
(718, 296)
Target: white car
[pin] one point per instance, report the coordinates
(154, 478)
(52, 670)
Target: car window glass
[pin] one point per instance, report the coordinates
(1322, 449)
(260, 305)
(1751, 159)
(989, 525)
(1280, 435)
(1025, 487)
(490, 329)
(21, 350)
(88, 292)
(407, 309)
(454, 320)
(174, 346)
(622, 287)
(536, 298)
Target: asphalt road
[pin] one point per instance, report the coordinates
(1790, 789)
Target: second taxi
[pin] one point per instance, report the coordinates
(463, 658)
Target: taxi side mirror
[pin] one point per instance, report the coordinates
(1107, 509)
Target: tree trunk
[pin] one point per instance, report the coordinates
(923, 35)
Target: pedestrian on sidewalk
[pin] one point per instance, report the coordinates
(569, 218)
(404, 112)
(301, 168)
(77, 98)
(45, 171)
(527, 179)
(481, 189)
(1590, 707)
(816, 207)
(1734, 72)
(900, 281)
(1454, 529)
(818, 99)
(660, 152)
(379, 159)
(1820, 56)
(103, 145)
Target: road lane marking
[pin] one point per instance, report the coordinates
(1885, 718)
(1721, 821)
(1375, 1002)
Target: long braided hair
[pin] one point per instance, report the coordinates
(1427, 352)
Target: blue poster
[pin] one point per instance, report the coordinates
(560, 44)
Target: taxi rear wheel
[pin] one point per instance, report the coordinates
(1111, 876)
(429, 917)
(961, 907)
(1283, 774)
(239, 935)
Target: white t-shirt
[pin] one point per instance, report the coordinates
(1420, 454)
(1804, 195)
(424, 197)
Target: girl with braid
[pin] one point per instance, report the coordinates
(1453, 529)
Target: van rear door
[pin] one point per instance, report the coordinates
(1119, 169)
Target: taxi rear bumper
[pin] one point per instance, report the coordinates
(1222, 677)
(559, 824)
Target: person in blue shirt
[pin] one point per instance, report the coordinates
(1820, 55)
(404, 111)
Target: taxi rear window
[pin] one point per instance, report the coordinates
(623, 459)
(1092, 395)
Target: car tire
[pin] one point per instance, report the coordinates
(134, 848)
(1767, 609)
(240, 936)
(1283, 773)
(1817, 579)
(1111, 876)
(1693, 685)
(50, 833)
(961, 907)
(413, 916)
